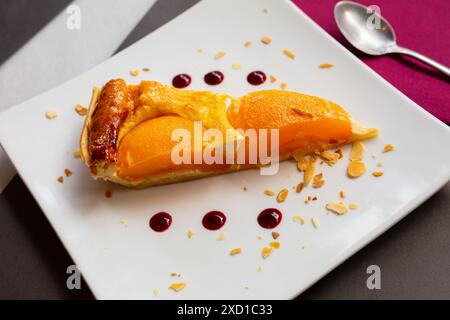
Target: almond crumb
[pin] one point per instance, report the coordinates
(266, 40)
(342, 194)
(352, 205)
(273, 79)
(318, 181)
(77, 154)
(190, 234)
(146, 69)
(357, 152)
(134, 73)
(337, 208)
(275, 244)
(235, 251)
(387, 148)
(275, 235)
(282, 195)
(67, 172)
(219, 54)
(266, 252)
(299, 218)
(247, 43)
(236, 66)
(173, 274)
(82, 111)
(269, 192)
(108, 193)
(356, 169)
(177, 286)
(299, 187)
(288, 53)
(377, 173)
(315, 222)
(326, 65)
(283, 86)
(51, 114)
(60, 179)
(221, 237)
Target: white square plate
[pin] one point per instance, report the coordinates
(128, 260)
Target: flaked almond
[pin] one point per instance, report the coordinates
(377, 173)
(266, 252)
(282, 195)
(235, 251)
(236, 66)
(177, 286)
(309, 172)
(357, 152)
(337, 208)
(67, 172)
(356, 169)
(330, 157)
(299, 187)
(275, 244)
(315, 222)
(134, 73)
(51, 114)
(318, 181)
(219, 54)
(269, 192)
(342, 194)
(298, 218)
(190, 234)
(353, 206)
(82, 111)
(60, 179)
(266, 40)
(275, 235)
(326, 65)
(247, 43)
(288, 53)
(273, 79)
(283, 86)
(388, 147)
(221, 237)
(77, 154)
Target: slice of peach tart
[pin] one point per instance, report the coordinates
(127, 137)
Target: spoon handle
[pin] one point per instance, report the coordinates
(421, 57)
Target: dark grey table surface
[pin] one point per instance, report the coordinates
(414, 255)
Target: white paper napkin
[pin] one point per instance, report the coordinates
(83, 35)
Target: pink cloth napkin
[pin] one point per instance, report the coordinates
(423, 26)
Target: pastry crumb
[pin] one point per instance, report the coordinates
(177, 286)
(236, 66)
(247, 43)
(326, 65)
(377, 173)
(266, 40)
(221, 237)
(340, 153)
(342, 194)
(235, 251)
(51, 114)
(190, 234)
(388, 147)
(273, 79)
(283, 86)
(266, 252)
(356, 169)
(269, 192)
(67, 172)
(337, 208)
(315, 222)
(219, 54)
(134, 73)
(275, 244)
(282, 195)
(318, 181)
(275, 235)
(60, 179)
(288, 53)
(81, 110)
(173, 274)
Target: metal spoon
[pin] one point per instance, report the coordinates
(356, 24)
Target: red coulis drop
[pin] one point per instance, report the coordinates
(214, 220)
(256, 78)
(181, 81)
(160, 221)
(214, 78)
(270, 218)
